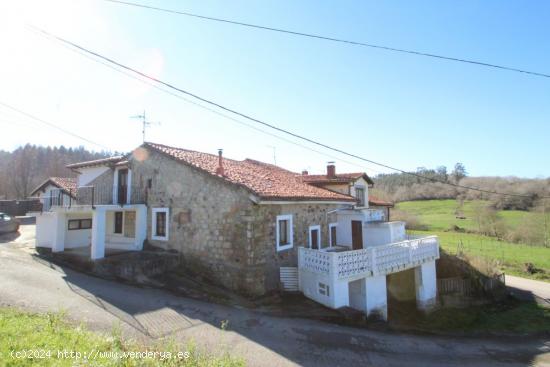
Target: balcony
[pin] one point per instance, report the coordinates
(374, 215)
(373, 261)
(95, 195)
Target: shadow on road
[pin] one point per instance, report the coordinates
(9, 237)
(159, 313)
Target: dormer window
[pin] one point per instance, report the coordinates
(360, 195)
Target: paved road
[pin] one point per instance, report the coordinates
(30, 283)
(529, 288)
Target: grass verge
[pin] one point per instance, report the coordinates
(29, 339)
(511, 257)
(510, 317)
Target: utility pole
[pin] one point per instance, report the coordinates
(144, 122)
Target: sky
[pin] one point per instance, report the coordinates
(403, 110)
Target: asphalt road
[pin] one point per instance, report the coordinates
(529, 289)
(30, 283)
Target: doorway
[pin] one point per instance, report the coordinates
(357, 234)
(122, 186)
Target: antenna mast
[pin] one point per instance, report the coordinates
(145, 123)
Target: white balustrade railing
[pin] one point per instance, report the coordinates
(374, 215)
(377, 260)
(314, 260)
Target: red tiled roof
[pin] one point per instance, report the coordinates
(67, 184)
(373, 200)
(97, 162)
(339, 178)
(267, 181)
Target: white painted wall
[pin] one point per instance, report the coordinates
(309, 285)
(343, 230)
(78, 237)
(44, 229)
(382, 233)
(51, 190)
(88, 174)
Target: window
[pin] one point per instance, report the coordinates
(160, 224)
(76, 224)
(149, 183)
(332, 234)
(360, 195)
(315, 237)
(118, 222)
(324, 289)
(284, 236)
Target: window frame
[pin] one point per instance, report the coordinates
(316, 227)
(121, 224)
(290, 232)
(154, 212)
(79, 221)
(330, 226)
(362, 200)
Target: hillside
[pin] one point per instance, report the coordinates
(510, 238)
(436, 183)
(26, 167)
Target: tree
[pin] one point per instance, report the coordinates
(459, 172)
(442, 173)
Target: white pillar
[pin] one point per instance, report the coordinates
(426, 285)
(98, 234)
(59, 230)
(340, 293)
(141, 226)
(377, 296)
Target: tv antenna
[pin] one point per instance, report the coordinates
(274, 153)
(145, 123)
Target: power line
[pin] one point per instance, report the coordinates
(331, 39)
(287, 132)
(52, 125)
(145, 81)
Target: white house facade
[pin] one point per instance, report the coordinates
(250, 226)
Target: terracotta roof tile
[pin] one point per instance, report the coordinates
(67, 184)
(373, 200)
(267, 181)
(97, 162)
(339, 178)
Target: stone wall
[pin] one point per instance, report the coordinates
(218, 230)
(266, 261)
(103, 190)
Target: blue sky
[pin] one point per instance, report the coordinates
(403, 110)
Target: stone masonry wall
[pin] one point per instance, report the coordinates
(103, 189)
(209, 219)
(266, 260)
(217, 230)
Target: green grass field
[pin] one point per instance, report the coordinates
(438, 216)
(511, 257)
(38, 339)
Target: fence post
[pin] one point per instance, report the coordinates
(93, 197)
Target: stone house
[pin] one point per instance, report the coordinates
(250, 226)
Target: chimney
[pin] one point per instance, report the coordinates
(305, 172)
(219, 170)
(331, 170)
